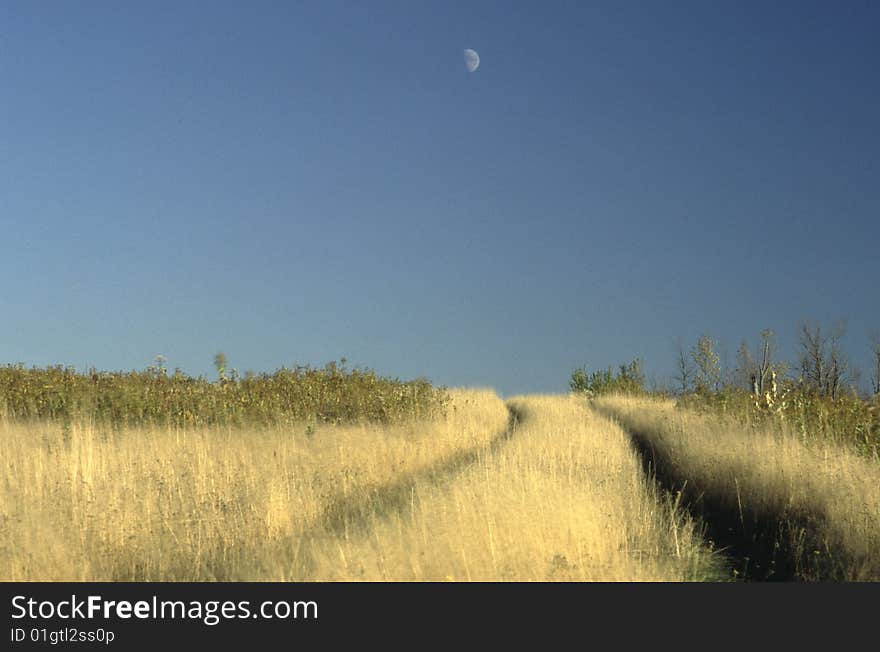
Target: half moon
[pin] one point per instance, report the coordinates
(471, 60)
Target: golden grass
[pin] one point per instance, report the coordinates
(463, 497)
(826, 499)
(564, 498)
(92, 504)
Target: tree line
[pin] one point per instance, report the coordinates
(821, 367)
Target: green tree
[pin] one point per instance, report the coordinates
(708, 364)
(629, 379)
(220, 365)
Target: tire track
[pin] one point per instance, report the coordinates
(354, 514)
(769, 544)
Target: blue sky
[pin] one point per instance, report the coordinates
(296, 182)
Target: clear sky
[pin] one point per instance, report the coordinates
(296, 182)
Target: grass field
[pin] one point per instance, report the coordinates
(786, 506)
(538, 488)
(563, 498)
(211, 504)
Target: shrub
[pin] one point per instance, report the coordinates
(629, 379)
(329, 394)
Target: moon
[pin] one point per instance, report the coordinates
(471, 60)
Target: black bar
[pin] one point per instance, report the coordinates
(331, 613)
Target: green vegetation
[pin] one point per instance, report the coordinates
(332, 394)
(629, 379)
(707, 364)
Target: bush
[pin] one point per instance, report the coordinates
(629, 379)
(154, 397)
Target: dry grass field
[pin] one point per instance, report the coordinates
(555, 492)
(792, 507)
(540, 488)
(212, 504)
(563, 499)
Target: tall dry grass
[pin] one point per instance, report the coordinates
(808, 505)
(89, 503)
(564, 498)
